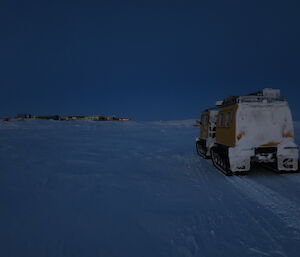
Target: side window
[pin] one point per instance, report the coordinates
(228, 119)
(204, 119)
(225, 119)
(222, 120)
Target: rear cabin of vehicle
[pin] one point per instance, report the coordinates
(256, 128)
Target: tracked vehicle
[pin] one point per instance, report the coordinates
(242, 131)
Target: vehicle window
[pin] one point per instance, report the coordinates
(222, 120)
(228, 119)
(204, 119)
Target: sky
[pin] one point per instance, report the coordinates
(148, 60)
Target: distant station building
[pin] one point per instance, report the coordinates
(24, 116)
(47, 117)
(125, 119)
(96, 118)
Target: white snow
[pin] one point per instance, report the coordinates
(264, 124)
(135, 189)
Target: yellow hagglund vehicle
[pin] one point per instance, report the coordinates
(243, 130)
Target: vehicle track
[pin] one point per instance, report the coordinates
(211, 231)
(288, 211)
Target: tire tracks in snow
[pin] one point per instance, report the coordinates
(202, 232)
(198, 170)
(293, 177)
(283, 208)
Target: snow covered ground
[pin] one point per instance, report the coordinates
(135, 189)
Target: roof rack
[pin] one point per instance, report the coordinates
(267, 95)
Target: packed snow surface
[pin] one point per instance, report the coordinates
(135, 189)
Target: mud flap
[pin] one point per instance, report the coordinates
(287, 163)
(239, 159)
(287, 158)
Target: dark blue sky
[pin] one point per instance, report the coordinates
(144, 59)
